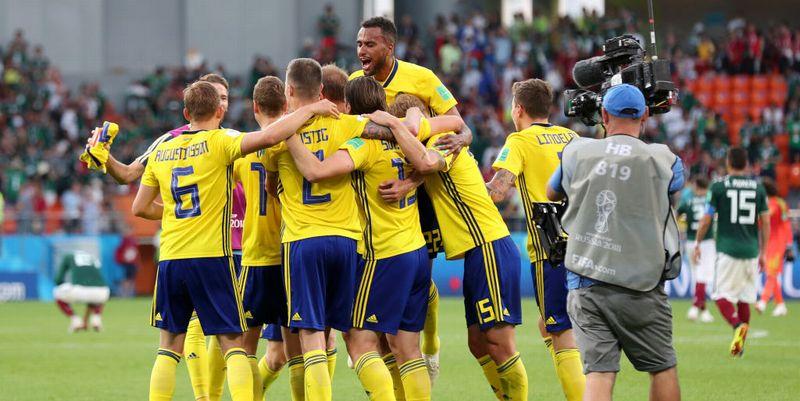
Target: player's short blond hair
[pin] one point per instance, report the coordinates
(535, 96)
(305, 76)
(269, 96)
(201, 100)
(215, 79)
(403, 102)
(334, 80)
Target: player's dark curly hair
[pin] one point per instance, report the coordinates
(386, 25)
(737, 158)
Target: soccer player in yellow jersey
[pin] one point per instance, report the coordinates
(204, 362)
(393, 275)
(321, 227)
(474, 231)
(195, 263)
(375, 49)
(261, 279)
(529, 158)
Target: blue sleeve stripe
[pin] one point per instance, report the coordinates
(555, 181)
(678, 179)
(710, 211)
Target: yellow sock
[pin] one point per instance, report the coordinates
(514, 379)
(194, 347)
(397, 381)
(162, 379)
(268, 376)
(548, 343)
(258, 381)
(331, 355)
(317, 378)
(216, 369)
(570, 373)
(375, 377)
(490, 371)
(430, 332)
(239, 374)
(416, 382)
(297, 378)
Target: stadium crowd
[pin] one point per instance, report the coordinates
(44, 124)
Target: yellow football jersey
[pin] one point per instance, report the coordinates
(467, 216)
(418, 81)
(389, 228)
(317, 209)
(194, 174)
(261, 238)
(533, 154)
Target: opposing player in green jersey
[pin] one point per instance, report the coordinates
(740, 205)
(79, 280)
(693, 208)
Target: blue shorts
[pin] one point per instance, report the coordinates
(205, 285)
(491, 284)
(429, 224)
(263, 295)
(550, 287)
(320, 275)
(393, 293)
(272, 332)
(237, 262)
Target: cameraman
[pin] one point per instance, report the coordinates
(623, 243)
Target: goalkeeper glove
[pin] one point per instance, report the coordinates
(95, 155)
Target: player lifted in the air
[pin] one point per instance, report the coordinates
(375, 50)
(739, 203)
(528, 159)
(693, 209)
(473, 230)
(193, 173)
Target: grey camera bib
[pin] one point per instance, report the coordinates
(621, 227)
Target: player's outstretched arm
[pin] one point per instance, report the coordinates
(278, 131)
(498, 187)
(312, 168)
(124, 173)
(423, 160)
(145, 206)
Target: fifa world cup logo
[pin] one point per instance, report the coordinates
(606, 202)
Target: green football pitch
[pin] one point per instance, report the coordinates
(40, 361)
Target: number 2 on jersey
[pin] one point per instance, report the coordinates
(178, 191)
(742, 201)
(308, 197)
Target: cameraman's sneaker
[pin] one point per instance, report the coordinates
(95, 322)
(706, 317)
(432, 362)
(694, 313)
(780, 310)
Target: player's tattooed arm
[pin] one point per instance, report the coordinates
(145, 205)
(315, 170)
(423, 160)
(499, 185)
(377, 131)
(278, 131)
(395, 189)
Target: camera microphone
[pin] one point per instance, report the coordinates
(589, 73)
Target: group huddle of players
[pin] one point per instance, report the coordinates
(347, 192)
